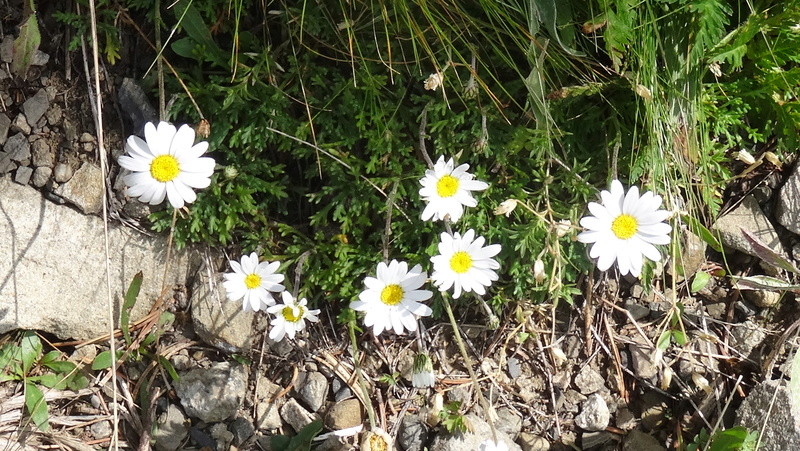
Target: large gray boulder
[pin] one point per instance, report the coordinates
(768, 406)
(53, 272)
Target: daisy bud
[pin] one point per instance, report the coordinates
(666, 378)
(745, 157)
(506, 207)
(563, 227)
(471, 90)
(422, 375)
(701, 382)
(538, 271)
(433, 81)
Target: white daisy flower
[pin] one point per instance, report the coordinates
(252, 281)
(168, 164)
(491, 445)
(290, 317)
(422, 372)
(625, 228)
(433, 81)
(464, 263)
(447, 190)
(393, 299)
(376, 440)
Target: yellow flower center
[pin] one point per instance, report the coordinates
(252, 281)
(377, 443)
(164, 168)
(624, 226)
(392, 294)
(289, 314)
(460, 262)
(447, 186)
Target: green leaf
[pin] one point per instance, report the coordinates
(31, 349)
(127, 306)
(763, 283)
(61, 366)
(300, 442)
(733, 439)
(663, 340)
(701, 279)
(702, 232)
(36, 406)
(25, 46)
(769, 255)
(103, 360)
(49, 380)
(168, 366)
(192, 23)
(680, 337)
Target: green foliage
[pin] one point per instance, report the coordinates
(299, 442)
(733, 439)
(452, 419)
(25, 45)
(106, 27)
(25, 360)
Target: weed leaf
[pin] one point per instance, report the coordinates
(26, 44)
(701, 279)
(127, 306)
(767, 254)
(763, 283)
(103, 360)
(31, 348)
(36, 406)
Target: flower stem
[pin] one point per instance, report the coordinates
(469, 364)
(357, 368)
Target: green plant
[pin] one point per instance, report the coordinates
(452, 419)
(24, 360)
(106, 27)
(299, 442)
(733, 439)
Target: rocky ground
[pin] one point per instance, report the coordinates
(587, 375)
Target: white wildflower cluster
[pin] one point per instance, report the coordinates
(169, 164)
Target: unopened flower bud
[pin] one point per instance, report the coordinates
(538, 271)
(506, 207)
(563, 227)
(433, 81)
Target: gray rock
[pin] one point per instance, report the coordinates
(637, 311)
(625, 419)
(654, 410)
(594, 414)
(212, 394)
(101, 429)
(344, 414)
(221, 435)
(267, 407)
(588, 380)
(747, 216)
(340, 390)
(23, 175)
(242, 429)
(295, 415)
(717, 310)
(35, 106)
(20, 125)
(42, 154)
(533, 442)
(762, 298)
(54, 115)
(639, 441)
(514, 368)
(62, 172)
(413, 433)
(509, 422)
(787, 211)
(218, 321)
(747, 336)
(133, 102)
(640, 359)
(45, 241)
(84, 189)
(171, 429)
(18, 148)
(6, 165)
(41, 176)
(39, 58)
(7, 49)
(5, 124)
(598, 438)
(470, 440)
(313, 389)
